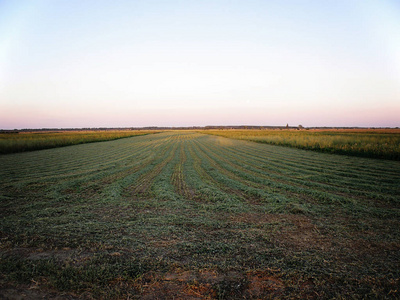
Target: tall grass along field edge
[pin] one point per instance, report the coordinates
(383, 144)
(29, 141)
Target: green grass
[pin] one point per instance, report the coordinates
(378, 143)
(28, 141)
(186, 215)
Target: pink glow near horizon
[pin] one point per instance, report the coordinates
(72, 64)
(170, 117)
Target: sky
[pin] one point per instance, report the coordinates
(74, 64)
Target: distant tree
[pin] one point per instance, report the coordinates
(301, 127)
(287, 126)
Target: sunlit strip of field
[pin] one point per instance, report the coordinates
(185, 215)
(378, 143)
(28, 141)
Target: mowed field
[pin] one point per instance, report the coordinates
(194, 216)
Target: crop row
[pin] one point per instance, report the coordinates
(174, 203)
(195, 162)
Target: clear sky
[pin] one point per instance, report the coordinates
(77, 63)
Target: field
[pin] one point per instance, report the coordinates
(194, 216)
(375, 143)
(28, 141)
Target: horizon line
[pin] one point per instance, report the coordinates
(199, 127)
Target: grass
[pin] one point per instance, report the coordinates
(28, 141)
(374, 143)
(186, 215)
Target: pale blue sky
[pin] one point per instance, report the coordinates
(186, 63)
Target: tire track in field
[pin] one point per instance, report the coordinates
(205, 187)
(268, 168)
(218, 166)
(201, 187)
(144, 182)
(198, 166)
(178, 177)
